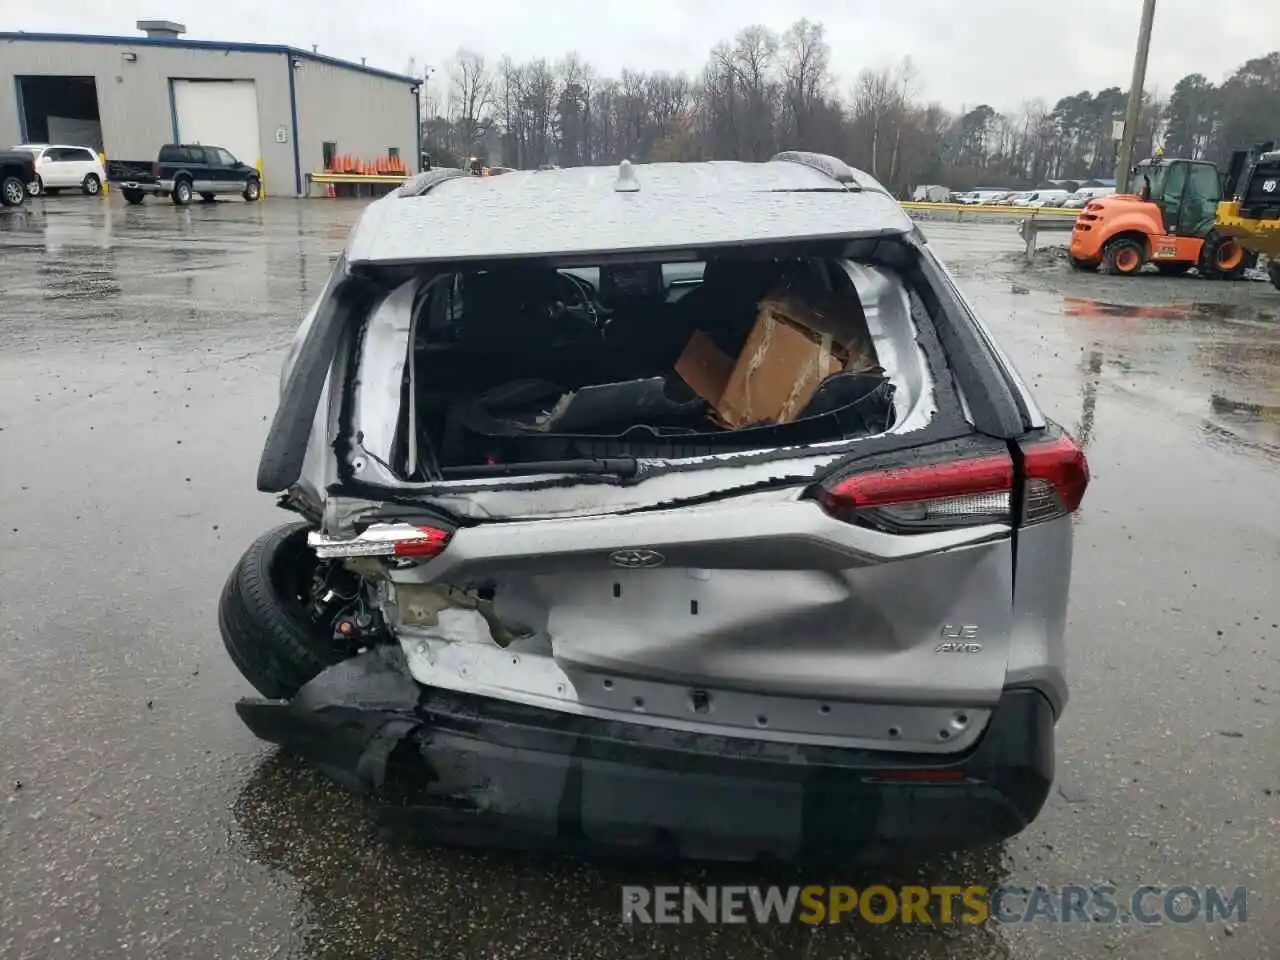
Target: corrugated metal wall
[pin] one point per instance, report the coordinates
(364, 114)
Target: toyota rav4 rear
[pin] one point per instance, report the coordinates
(681, 507)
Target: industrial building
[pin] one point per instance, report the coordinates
(283, 109)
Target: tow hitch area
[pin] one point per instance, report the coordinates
(456, 769)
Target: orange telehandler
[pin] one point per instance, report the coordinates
(1168, 216)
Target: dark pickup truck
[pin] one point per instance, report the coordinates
(184, 170)
(17, 170)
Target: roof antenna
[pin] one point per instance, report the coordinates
(626, 182)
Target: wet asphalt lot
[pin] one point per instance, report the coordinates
(139, 353)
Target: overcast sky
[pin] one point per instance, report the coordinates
(1001, 52)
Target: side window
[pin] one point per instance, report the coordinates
(1204, 184)
(1175, 183)
(59, 154)
(84, 156)
(224, 158)
(193, 155)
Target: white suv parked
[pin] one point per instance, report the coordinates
(59, 166)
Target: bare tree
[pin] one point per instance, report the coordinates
(470, 97)
(573, 112)
(761, 91)
(874, 100)
(537, 106)
(806, 72)
(755, 52)
(509, 91)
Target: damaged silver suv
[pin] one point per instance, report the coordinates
(683, 509)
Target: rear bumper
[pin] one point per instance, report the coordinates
(466, 770)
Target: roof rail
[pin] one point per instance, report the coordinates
(425, 181)
(829, 166)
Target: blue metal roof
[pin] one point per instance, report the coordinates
(207, 45)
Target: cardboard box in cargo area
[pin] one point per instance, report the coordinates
(801, 336)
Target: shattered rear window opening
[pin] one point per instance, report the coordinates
(526, 369)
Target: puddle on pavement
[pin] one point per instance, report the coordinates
(1084, 307)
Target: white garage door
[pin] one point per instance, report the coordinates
(222, 113)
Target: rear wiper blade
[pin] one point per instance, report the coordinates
(605, 466)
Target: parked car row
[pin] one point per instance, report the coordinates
(64, 167)
(1048, 197)
(180, 172)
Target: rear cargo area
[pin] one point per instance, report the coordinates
(526, 365)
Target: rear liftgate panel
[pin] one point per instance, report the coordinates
(872, 610)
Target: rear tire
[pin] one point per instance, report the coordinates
(1084, 266)
(182, 193)
(35, 187)
(1123, 257)
(252, 190)
(1222, 258)
(265, 626)
(91, 185)
(13, 192)
(134, 197)
(1173, 269)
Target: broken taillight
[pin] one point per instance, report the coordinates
(1057, 474)
(963, 493)
(384, 540)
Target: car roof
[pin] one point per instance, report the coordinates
(579, 211)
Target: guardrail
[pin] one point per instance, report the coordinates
(1029, 228)
(959, 208)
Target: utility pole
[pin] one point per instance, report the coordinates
(1134, 112)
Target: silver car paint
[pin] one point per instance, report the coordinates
(678, 206)
(760, 597)
(830, 632)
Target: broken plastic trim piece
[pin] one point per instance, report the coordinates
(383, 540)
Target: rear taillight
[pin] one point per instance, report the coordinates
(962, 493)
(1057, 475)
(384, 540)
(954, 493)
(155, 170)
